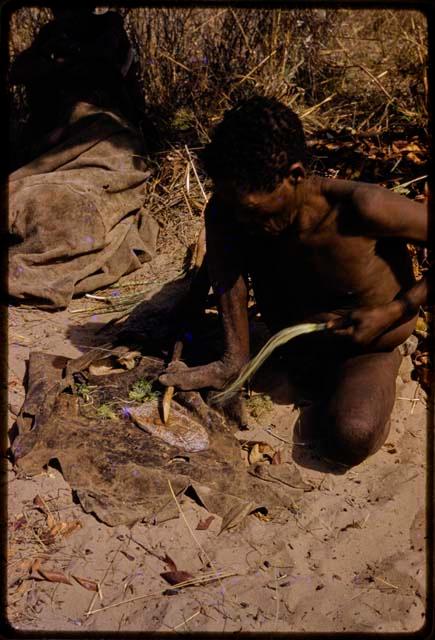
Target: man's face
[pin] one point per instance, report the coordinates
(264, 213)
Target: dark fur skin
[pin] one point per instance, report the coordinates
(323, 250)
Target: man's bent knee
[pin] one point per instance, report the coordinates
(351, 440)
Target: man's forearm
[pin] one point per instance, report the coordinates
(233, 306)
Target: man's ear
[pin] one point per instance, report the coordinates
(296, 173)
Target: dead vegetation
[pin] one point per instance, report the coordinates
(357, 78)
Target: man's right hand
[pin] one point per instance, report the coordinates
(214, 375)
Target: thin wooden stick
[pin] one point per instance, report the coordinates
(406, 184)
(375, 80)
(187, 203)
(292, 444)
(316, 106)
(248, 75)
(190, 529)
(156, 594)
(277, 596)
(242, 31)
(196, 174)
(101, 298)
(44, 546)
(386, 582)
(183, 66)
(187, 620)
(167, 396)
(100, 582)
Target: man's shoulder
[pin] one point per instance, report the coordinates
(358, 197)
(342, 188)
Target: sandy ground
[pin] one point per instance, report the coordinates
(348, 556)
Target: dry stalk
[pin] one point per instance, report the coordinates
(277, 601)
(406, 184)
(186, 199)
(98, 594)
(375, 80)
(260, 64)
(179, 64)
(210, 561)
(196, 174)
(155, 594)
(316, 106)
(242, 31)
(393, 586)
(202, 25)
(44, 546)
(187, 620)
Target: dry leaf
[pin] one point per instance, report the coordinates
(19, 523)
(277, 458)
(262, 516)
(414, 158)
(175, 577)
(54, 576)
(103, 367)
(50, 521)
(287, 474)
(90, 585)
(204, 524)
(66, 528)
(421, 324)
(60, 529)
(236, 515)
(254, 454)
(412, 147)
(39, 502)
(128, 359)
(171, 564)
(35, 566)
(260, 452)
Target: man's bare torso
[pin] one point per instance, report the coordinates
(326, 269)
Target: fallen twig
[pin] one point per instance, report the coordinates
(155, 594)
(99, 593)
(260, 64)
(195, 173)
(190, 528)
(187, 620)
(316, 106)
(393, 586)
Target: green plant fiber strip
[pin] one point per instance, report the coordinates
(275, 341)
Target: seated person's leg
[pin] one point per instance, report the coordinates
(359, 408)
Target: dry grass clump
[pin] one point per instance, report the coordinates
(193, 62)
(177, 195)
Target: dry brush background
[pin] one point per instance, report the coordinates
(357, 78)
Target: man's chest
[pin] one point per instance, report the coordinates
(338, 263)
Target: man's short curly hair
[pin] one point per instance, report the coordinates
(255, 144)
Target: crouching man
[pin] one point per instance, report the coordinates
(316, 250)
